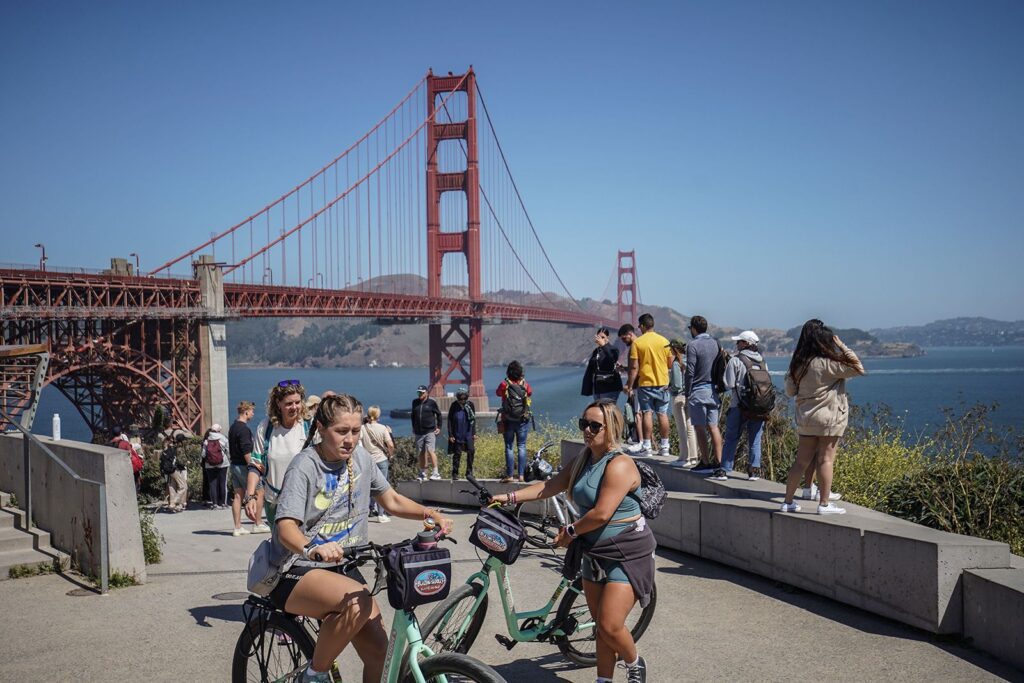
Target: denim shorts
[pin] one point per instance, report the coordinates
(653, 398)
(703, 405)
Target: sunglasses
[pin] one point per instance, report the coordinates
(594, 427)
(289, 383)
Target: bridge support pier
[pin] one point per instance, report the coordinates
(213, 351)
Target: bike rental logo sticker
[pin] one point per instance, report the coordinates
(493, 540)
(430, 582)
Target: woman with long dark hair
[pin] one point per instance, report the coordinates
(817, 377)
(601, 380)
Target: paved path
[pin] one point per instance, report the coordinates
(713, 622)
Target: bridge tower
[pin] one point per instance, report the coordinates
(627, 293)
(456, 343)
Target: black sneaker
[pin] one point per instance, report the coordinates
(636, 674)
(753, 473)
(719, 475)
(701, 467)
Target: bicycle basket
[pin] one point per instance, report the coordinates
(416, 577)
(498, 533)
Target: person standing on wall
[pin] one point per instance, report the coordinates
(601, 379)
(634, 430)
(684, 428)
(426, 425)
(515, 417)
(701, 400)
(649, 362)
(747, 360)
(462, 431)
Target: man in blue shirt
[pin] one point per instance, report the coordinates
(461, 431)
(702, 402)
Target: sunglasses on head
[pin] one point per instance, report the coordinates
(289, 383)
(594, 427)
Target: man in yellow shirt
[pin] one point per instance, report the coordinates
(649, 363)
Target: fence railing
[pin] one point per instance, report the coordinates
(27, 441)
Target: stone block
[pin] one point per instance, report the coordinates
(737, 533)
(818, 554)
(914, 574)
(678, 525)
(994, 612)
(569, 449)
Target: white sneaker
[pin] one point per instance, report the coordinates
(831, 509)
(240, 532)
(663, 451)
(422, 476)
(435, 476)
(383, 518)
(789, 507)
(812, 493)
(260, 529)
(636, 449)
(680, 463)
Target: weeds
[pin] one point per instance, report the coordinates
(152, 539)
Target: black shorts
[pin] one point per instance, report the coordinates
(279, 596)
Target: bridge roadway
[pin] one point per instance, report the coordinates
(712, 622)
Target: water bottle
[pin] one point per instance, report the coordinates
(56, 426)
(425, 541)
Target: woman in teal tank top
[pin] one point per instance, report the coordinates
(600, 483)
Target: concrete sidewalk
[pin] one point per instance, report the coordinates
(712, 622)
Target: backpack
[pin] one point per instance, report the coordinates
(757, 396)
(214, 453)
(718, 369)
(515, 404)
(169, 460)
(134, 454)
(651, 493)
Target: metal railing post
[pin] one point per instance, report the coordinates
(26, 449)
(104, 560)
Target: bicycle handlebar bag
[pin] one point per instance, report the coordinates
(498, 533)
(416, 577)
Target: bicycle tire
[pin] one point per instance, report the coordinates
(455, 668)
(539, 534)
(583, 650)
(278, 657)
(465, 594)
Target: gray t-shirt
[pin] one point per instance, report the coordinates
(308, 489)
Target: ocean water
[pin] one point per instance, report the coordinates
(916, 389)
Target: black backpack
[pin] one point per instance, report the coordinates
(651, 493)
(718, 369)
(515, 404)
(757, 395)
(169, 460)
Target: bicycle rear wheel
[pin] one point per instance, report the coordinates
(581, 647)
(540, 532)
(269, 648)
(455, 668)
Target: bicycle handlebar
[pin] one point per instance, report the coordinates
(354, 555)
(482, 494)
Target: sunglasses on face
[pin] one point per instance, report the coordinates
(594, 427)
(289, 383)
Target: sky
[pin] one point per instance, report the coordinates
(769, 162)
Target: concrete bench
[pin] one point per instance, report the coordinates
(994, 610)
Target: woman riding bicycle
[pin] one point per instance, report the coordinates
(313, 587)
(611, 538)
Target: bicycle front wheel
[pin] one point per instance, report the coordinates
(581, 647)
(455, 668)
(441, 629)
(539, 532)
(269, 649)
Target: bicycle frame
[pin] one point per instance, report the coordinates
(562, 505)
(512, 618)
(405, 632)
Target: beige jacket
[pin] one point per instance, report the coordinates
(822, 404)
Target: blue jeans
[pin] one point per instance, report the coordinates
(733, 425)
(517, 431)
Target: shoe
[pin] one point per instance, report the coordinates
(422, 476)
(753, 473)
(680, 463)
(455, 477)
(240, 532)
(504, 480)
(663, 451)
(704, 468)
(789, 507)
(831, 509)
(436, 476)
(813, 493)
(636, 449)
(719, 475)
(260, 528)
(372, 517)
(383, 518)
(637, 673)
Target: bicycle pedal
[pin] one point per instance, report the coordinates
(506, 641)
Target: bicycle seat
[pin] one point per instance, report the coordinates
(262, 603)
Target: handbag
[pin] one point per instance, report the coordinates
(266, 565)
(417, 577)
(499, 533)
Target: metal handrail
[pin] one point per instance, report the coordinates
(27, 439)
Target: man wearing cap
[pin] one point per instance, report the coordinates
(684, 428)
(426, 425)
(747, 356)
(649, 362)
(461, 431)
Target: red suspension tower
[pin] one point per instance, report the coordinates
(454, 344)
(627, 287)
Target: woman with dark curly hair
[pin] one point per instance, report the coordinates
(817, 377)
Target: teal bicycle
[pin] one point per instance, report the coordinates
(454, 624)
(275, 647)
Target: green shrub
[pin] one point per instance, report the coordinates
(20, 571)
(153, 483)
(152, 539)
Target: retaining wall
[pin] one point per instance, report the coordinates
(70, 509)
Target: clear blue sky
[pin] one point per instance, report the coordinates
(862, 162)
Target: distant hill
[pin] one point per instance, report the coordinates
(957, 332)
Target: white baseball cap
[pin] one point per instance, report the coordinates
(747, 336)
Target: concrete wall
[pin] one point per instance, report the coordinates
(994, 610)
(70, 510)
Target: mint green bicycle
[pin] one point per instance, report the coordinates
(454, 624)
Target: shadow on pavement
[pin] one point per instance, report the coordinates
(535, 670)
(204, 613)
(211, 532)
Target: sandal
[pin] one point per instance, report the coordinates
(504, 480)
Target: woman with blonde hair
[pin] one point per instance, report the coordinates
(277, 440)
(376, 439)
(603, 486)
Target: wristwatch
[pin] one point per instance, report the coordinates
(571, 530)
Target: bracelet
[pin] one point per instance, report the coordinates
(511, 497)
(247, 499)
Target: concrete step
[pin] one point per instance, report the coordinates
(16, 539)
(34, 558)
